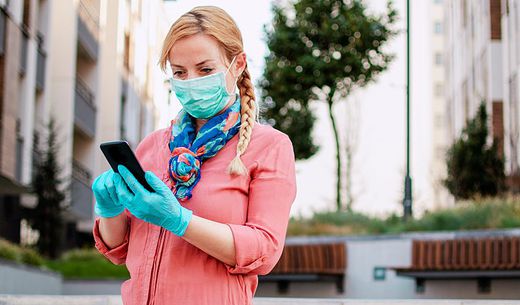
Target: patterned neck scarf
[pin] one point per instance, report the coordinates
(189, 150)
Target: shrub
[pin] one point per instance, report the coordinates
(473, 167)
(23, 255)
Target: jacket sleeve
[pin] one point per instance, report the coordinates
(260, 241)
(117, 255)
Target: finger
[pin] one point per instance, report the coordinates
(124, 195)
(130, 180)
(111, 188)
(156, 183)
(98, 187)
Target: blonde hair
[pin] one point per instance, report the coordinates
(214, 21)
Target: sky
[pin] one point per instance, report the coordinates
(377, 112)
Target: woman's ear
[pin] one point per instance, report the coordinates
(240, 66)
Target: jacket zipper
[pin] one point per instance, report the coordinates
(155, 269)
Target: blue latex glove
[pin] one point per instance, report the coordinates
(160, 207)
(107, 203)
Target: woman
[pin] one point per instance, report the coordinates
(224, 183)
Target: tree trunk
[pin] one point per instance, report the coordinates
(348, 177)
(338, 158)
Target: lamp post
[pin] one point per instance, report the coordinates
(407, 201)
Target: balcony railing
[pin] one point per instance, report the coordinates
(3, 20)
(23, 51)
(90, 15)
(81, 205)
(84, 109)
(19, 157)
(88, 30)
(40, 64)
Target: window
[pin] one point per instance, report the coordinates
(438, 27)
(439, 90)
(438, 58)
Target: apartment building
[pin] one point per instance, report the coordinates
(440, 137)
(482, 64)
(473, 63)
(511, 86)
(23, 61)
(92, 66)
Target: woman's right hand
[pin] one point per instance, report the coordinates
(107, 205)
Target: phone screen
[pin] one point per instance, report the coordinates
(119, 152)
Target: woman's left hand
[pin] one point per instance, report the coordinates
(160, 207)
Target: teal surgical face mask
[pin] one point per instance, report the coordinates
(205, 96)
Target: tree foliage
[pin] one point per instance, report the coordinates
(475, 168)
(47, 216)
(320, 50)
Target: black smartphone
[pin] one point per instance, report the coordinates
(119, 152)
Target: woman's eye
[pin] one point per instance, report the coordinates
(177, 73)
(207, 70)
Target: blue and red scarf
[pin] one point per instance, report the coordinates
(189, 149)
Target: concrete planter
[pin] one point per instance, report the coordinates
(22, 279)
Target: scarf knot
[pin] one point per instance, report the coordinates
(189, 149)
(184, 165)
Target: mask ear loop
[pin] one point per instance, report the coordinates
(227, 70)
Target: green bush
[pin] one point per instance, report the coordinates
(23, 255)
(8, 250)
(31, 257)
(74, 264)
(482, 213)
(87, 264)
(474, 167)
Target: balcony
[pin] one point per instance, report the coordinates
(3, 20)
(23, 51)
(81, 205)
(88, 30)
(84, 109)
(19, 158)
(40, 65)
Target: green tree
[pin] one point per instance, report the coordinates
(475, 168)
(47, 216)
(320, 50)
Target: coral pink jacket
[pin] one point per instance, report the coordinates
(166, 269)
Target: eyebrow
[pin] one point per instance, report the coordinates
(199, 64)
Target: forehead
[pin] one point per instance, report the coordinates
(193, 49)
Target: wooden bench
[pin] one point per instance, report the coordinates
(482, 258)
(309, 263)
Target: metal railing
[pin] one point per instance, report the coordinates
(88, 12)
(23, 51)
(84, 109)
(3, 28)
(81, 204)
(19, 157)
(40, 64)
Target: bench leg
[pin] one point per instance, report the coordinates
(339, 284)
(283, 286)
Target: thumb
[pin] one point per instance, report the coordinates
(156, 183)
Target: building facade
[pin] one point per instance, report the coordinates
(91, 65)
(473, 64)
(482, 65)
(440, 133)
(511, 86)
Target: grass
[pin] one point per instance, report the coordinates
(483, 213)
(74, 264)
(18, 254)
(87, 264)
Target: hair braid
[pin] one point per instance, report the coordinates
(248, 114)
